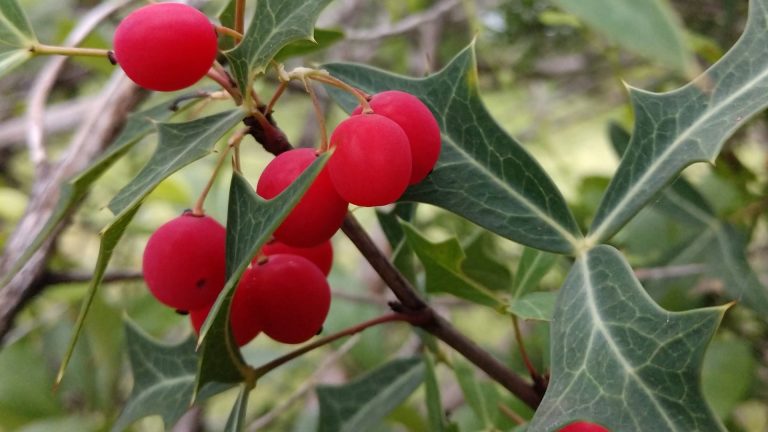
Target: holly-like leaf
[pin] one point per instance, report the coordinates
(483, 174)
(179, 145)
(534, 306)
(16, 36)
(362, 404)
(481, 263)
(275, 24)
(323, 38)
(138, 125)
(443, 266)
(649, 28)
(163, 378)
(250, 223)
(620, 360)
(688, 125)
(533, 266)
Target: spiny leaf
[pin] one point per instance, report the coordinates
(483, 174)
(250, 223)
(650, 27)
(138, 125)
(688, 125)
(620, 360)
(275, 24)
(179, 145)
(163, 378)
(443, 266)
(362, 404)
(323, 38)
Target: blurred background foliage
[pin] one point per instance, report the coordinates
(548, 78)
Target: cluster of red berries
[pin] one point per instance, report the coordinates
(283, 293)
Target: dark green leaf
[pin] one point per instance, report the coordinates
(483, 174)
(650, 27)
(324, 38)
(620, 360)
(442, 264)
(435, 412)
(534, 306)
(688, 125)
(139, 125)
(402, 253)
(163, 378)
(236, 420)
(179, 145)
(275, 24)
(362, 404)
(533, 266)
(250, 223)
(482, 265)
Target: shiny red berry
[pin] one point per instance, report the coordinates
(417, 122)
(583, 426)
(293, 298)
(321, 210)
(165, 46)
(243, 321)
(183, 262)
(321, 255)
(371, 163)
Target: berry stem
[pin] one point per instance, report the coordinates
(217, 73)
(240, 16)
(521, 345)
(41, 49)
(320, 118)
(234, 34)
(278, 92)
(359, 94)
(233, 142)
(266, 368)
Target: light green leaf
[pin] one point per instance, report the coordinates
(402, 253)
(729, 373)
(236, 420)
(9, 60)
(443, 266)
(323, 38)
(362, 404)
(179, 145)
(275, 24)
(649, 28)
(15, 30)
(676, 129)
(534, 306)
(483, 408)
(435, 411)
(482, 265)
(483, 174)
(163, 378)
(227, 19)
(620, 360)
(533, 266)
(138, 125)
(250, 223)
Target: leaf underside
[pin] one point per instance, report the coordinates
(620, 360)
(483, 174)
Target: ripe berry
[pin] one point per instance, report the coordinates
(582, 426)
(243, 321)
(321, 255)
(183, 262)
(371, 165)
(293, 298)
(321, 210)
(417, 122)
(165, 46)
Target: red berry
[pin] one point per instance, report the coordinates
(293, 298)
(320, 255)
(371, 164)
(165, 46)
(244, 322)
(582, 426)
(183, 262)
(321, 210)
(417, 122)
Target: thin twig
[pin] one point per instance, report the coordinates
(58, 278)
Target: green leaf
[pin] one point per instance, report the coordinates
(323, 39)
(729, 373)
(483, 408)
(138, 125)
(649, 28)
(236, 420)
(533, 266)
(435, 412)
(163, 378)
(179, 145)
(227, 19)
(9, 60)
(362, 404)
(443, 266)
(482, 265)
(402, 253)
(110, 236)
(620, 360)
(275, 24)
(15, 29)
(250, 223)
(534, 306)
(688, 125)
(483, 174)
